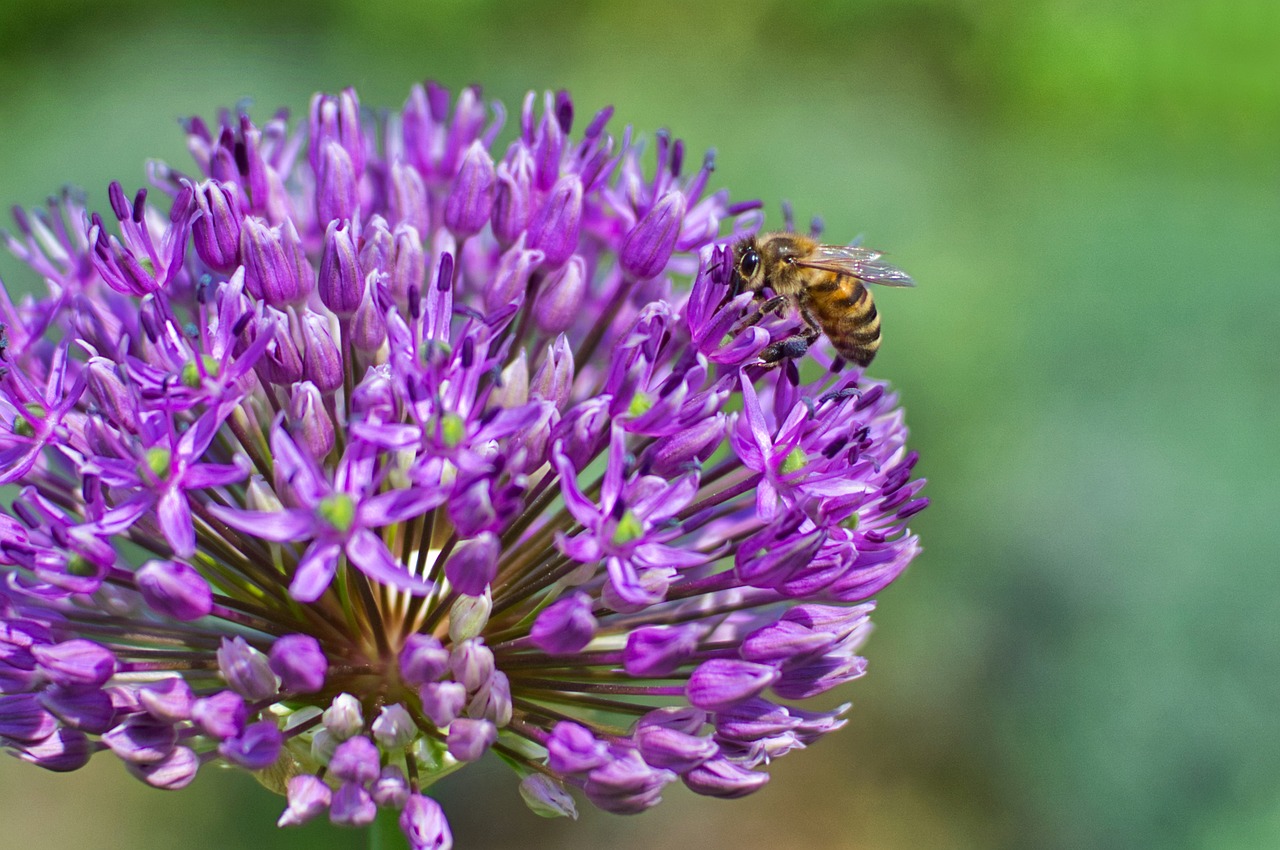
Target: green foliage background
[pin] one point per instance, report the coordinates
(1086, 654)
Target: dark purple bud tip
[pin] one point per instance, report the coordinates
(119, 202)
(564, 111)
(139, 206)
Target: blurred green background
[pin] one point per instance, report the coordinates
(1089, 194)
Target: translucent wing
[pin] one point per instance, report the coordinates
(862, 263)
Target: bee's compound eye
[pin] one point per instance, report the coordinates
(749, 263)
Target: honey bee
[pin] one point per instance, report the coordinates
(824, 284)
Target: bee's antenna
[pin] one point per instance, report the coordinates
(816, 226)
(788, 217)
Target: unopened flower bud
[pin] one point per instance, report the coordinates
(512, 277)
(352, 806)
(394, 728)
(215, 229)
(172, 773)
(221, 715)
(391, 790)
(170, 699)
(722, 778)
(343, 717)
(513, 197)
(442, 702)
(547, 798)
(407, 265)
(321, 361)
(470, 201)
(469, 615)
(368, 327)
(355, 760)
(309, 421)
(554, 229)
(566, 626)
(174, 589)
(423, 823)
(473, 564)
(276, 266)
(559, 301)
(75, 663)
(722, 682)
(337, 186)
(247, 670)
(407, 198)
(423, 659)
(469, 739)
(308, 796)
(341, 285)
(256, 748)
(300, 663)
(649, 245)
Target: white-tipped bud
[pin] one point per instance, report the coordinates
(469, 615)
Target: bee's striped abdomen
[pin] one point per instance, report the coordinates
(844, 308)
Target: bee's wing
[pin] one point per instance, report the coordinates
(862, 263)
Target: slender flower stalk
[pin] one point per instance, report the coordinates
(373, 449)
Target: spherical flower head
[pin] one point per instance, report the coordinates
(372, 450)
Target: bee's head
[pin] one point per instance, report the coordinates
(748, 271)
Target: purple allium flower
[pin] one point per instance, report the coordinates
(373, 447)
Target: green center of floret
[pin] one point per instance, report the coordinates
(339, 510)
(159, 462)
(191, 376)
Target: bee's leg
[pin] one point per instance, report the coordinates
(795, 345)
(786, 349)
(812, 330)
(773, 305)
